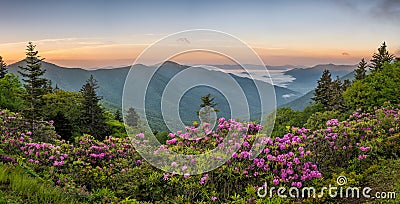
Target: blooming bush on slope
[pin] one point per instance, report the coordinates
(283, 162)
(15, 134)
(87, 163)
(362, 136)
(295, 159)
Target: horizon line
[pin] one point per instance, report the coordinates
(211, 64)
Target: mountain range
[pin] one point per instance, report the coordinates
(305, 100)
(306, 78)
(111, 84)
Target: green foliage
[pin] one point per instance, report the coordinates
(376, 89)
(3, 68)
(364, 147)
(207, 107)
(118, 116)
(92, 114)
(323, 90)
(132, 118)
(162, 137)
(389, 147)
(64, 108)
(379, 59)
(111, 170)
(116, 127)
(17, 186)
(287, 118)
(35, 84)
(361, 70)
(384, 177)
(207, 100)
(336, 101)
(10, 93)
(329, 93)
(362, 134)
(318, 120)
(103, 195)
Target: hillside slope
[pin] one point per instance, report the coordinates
(306, 79)
(111, 83)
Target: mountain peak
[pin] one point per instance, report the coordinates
(170, 63)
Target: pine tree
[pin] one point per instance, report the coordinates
(207, 107)
(35, 84)
(92, 116)
(3, 68)
(323, 91)
(208, 101)
(118, 116)
(346, 84)
(378, 59)
(132, 118)
(361, 70)
(336, 101)
(49, 87)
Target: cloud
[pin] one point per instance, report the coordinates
(345, 54)
(82, 41)
(183, 40)
(288, 95)
(389, 9)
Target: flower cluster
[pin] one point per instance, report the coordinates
(341, 142)
(285, 156)
(293, 160)
(44, 154)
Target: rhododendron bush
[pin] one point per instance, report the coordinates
(298, 158)
(362, 136)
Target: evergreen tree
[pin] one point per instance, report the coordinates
(361, 70)
(118, 116)
(346, 84)
(132, 118)
(336, 101)
(92, 116)
(208, 101)
(35, 84)
(323, 91)
(207, 107)
(375, 90)
(49, 87)
(3, 68)
(378, 59)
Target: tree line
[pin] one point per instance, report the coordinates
(334, 94)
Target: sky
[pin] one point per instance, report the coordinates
(97, 33)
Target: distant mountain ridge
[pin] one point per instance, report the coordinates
(305, 100)
(306, 78)
(111, 83)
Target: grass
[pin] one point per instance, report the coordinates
(386, 179)
(16, 186)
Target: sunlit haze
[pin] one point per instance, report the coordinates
(93, 34)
